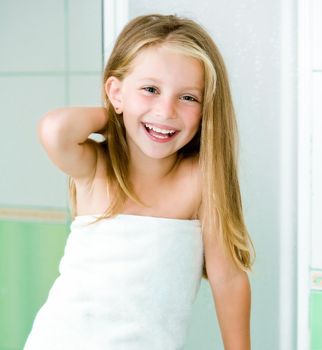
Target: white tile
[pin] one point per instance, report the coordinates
(27, 176)
(85, 90)
(85, 38)
(317, 172)
(317, 34)
(32, 35)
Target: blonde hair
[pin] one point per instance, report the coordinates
(215, 142)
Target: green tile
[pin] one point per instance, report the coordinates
(316, 320)
(29, 258)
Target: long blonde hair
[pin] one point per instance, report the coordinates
(215, 142)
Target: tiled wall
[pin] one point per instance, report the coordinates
(29, 256)
(316, 319)
(51, 56)
(316, 234)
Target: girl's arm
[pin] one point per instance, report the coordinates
(64, 134)
(232, 299)
(232, 295)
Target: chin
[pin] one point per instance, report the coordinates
(159, 155)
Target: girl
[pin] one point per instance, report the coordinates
(156, 205)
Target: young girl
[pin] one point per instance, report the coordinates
(156, 205)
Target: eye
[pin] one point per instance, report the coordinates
(189, 98)
(150, 89)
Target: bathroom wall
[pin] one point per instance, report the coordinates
(51, 56)
(315, 77)
(30, 250)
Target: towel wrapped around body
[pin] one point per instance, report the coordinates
(125, 283)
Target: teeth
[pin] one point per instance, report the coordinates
(161, 136)
(162, 131)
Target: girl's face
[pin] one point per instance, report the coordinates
(161, 101)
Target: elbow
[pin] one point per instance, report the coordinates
(49, 128)
(229, 278)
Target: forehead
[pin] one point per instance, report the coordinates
(164, 63)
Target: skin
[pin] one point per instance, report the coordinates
(163, 88)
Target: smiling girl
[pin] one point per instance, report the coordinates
(156, 206)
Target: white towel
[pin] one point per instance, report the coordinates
(125, 283)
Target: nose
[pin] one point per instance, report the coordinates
(166, 107)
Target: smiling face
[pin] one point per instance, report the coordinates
(161, 101)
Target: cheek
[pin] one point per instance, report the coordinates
(193, 118)
(135, 103)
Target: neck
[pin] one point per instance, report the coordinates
(145, 169)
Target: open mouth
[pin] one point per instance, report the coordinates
(158, 133)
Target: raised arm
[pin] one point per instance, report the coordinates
(64, 134)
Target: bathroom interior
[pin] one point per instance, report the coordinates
(52, 55)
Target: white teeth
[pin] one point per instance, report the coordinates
(162, 131)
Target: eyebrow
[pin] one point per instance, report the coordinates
(184, 88)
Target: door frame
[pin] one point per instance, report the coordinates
(115, 14)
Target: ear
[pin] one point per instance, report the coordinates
(113, 92)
